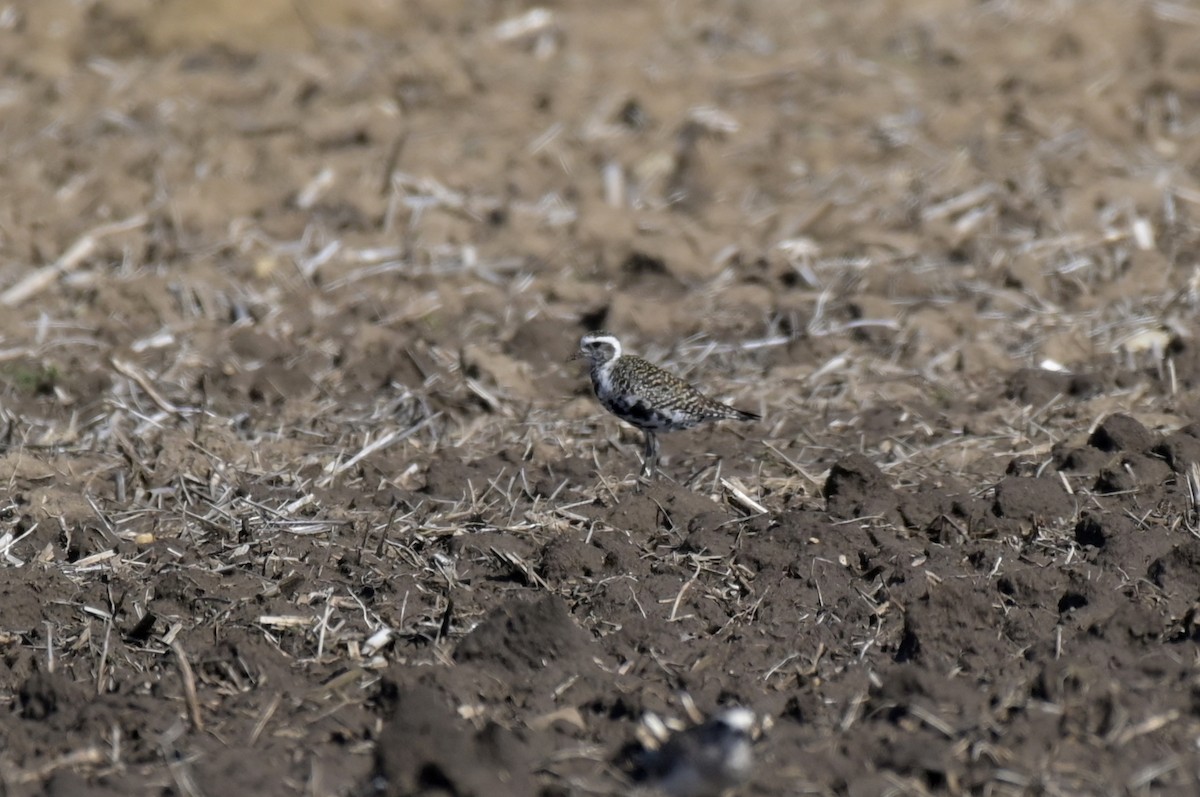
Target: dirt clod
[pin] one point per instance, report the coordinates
(1122, 433)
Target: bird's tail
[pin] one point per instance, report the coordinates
(743, 415)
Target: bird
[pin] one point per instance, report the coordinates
(647, 397)
(705, 760)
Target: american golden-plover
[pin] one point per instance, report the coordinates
(707, 760)
(646, 396)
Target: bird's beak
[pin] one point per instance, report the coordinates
(577, 355)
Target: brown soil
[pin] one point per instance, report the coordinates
(302, 498)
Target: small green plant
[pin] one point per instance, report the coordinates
(33, 378)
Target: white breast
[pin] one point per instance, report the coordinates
(602, 380)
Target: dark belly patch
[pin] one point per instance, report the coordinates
(639, 413)
(644, 416)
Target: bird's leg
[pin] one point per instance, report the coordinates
(649, 454)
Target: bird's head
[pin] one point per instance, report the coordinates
(738, 721)
(598, 348)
